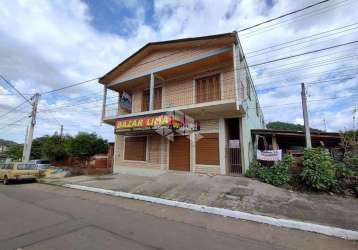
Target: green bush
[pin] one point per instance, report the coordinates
(253, 170)
(275, 175)
(278, 174)
(319, 172)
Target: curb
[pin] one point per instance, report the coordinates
(287, 223)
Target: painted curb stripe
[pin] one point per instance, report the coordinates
(304, 226)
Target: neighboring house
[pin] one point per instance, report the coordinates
(186, 104)
(294, 142)
(3, 148)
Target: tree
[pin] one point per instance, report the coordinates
(85, 145)
(288, 126)
(37, 146)
(53, 147)
(15, 152)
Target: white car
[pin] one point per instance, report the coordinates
(41, 164)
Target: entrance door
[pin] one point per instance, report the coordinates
(233, 151)
(179, 154)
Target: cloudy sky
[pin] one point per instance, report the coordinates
(45, 45)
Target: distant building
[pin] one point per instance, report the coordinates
(3, 148)
(186, 104)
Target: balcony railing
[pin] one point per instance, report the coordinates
(172, 96)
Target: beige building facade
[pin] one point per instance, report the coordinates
(183, 105)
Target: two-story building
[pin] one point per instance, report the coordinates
(186, 104)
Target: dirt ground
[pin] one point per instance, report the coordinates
(236, 193)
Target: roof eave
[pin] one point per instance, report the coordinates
(103, 79)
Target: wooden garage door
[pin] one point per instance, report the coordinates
(179, 154)
(135, 148)
(207, 149)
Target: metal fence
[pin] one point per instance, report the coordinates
(234, 161)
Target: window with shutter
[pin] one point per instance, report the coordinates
(207, 149)
(135, 148)
(208, 88)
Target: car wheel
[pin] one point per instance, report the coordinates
(6, 181)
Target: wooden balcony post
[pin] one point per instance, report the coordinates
(151, 92)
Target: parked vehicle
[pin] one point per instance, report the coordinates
(41, 164)
(18, 171)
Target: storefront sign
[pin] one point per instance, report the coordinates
(144, 122)
(269, 155)
(169, 120)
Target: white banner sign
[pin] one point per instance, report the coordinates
(234, 143)
(269, 155)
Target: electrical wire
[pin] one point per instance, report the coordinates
(69, 86)
(12, 86)
(282, 16)
(12, 110)
(300, 39)
(15, 122)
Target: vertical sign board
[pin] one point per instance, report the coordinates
(125, 101)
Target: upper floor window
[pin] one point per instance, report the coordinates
(157, 103)
(208, 88)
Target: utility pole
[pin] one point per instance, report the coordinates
(325, 124)
(34, 102)
(305, 116)
(354, 122)
(61, 131)
(25, 144)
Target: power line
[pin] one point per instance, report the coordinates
(351, 71)
(12, 110)
(12, 86)
(15, 122)
(315, 100)
(299, 43)
(302, 54)
(302, 38)
(69, 86)
(284, 15)
(309, 83)
(288, 21)
(310, 65)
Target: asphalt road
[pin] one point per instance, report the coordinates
(38, 216)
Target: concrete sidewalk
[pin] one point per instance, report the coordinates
(235, 193)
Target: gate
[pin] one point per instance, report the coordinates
(234, 161)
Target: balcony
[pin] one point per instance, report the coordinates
(202, 88)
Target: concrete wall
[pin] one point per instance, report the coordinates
(253, 117)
